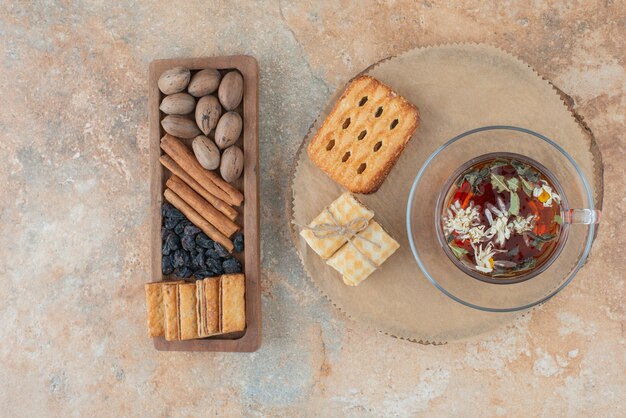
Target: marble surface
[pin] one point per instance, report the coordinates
(74, 248)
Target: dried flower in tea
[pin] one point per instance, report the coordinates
(502, 217)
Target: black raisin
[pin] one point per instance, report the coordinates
(170, 223)
(186, 258)
(165, 208)
(180, 228)
(197, 261)
(183, 272)
(188, 242)
(221, 251)
(201, 274)
(215, 266)
(166, 265)
(210, 253)
(166, 233)
(178, 258)
(169, 211)
(238, 242)
(191, 230)
(231, 266)
(171, 244)
(203, 241)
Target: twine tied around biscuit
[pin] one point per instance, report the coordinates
(349, 231)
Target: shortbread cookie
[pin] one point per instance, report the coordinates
(154, 306)
(170, 310)
(364, 135)
(187, 320)
(364, 254)
(233, 303)
(345, 210)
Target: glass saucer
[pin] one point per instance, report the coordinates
(422, 228)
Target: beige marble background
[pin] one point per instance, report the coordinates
(74, 247)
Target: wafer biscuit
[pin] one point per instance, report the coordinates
(212, 296)
(208, 306)
(200, 308)
(364, 135)
(345, 209)
(364, 254)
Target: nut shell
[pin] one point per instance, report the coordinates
(206, 152)
(228, 129)
(180, 126)
(208, 112)
(231, 165)
(174, 80)
(178, 104)
(230, 91)
(204, 82)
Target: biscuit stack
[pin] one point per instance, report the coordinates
(360, 249)
(181, 310)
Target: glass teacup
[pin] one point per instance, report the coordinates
(441, 264)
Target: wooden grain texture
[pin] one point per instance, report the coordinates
(250, 339)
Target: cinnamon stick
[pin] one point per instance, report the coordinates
(204, 208)
(198, 220)
(182, 156)
(211, 181)
(219, 204)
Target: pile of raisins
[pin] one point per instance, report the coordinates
(187, 251)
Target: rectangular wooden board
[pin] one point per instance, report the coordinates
(250, 339)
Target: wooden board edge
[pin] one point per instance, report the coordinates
(248, 343)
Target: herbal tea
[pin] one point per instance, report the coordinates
(502, 218)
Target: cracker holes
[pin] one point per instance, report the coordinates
(363, 101)
(394, 123)
(361, 168)
(330, 145)
(378, 145)
(345, 157)
(379, 112)
(362, 134)
(346, 123)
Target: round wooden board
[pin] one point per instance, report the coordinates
(457, 88)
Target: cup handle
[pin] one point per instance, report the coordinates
(582, 216)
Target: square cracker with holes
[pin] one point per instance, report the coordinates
(364, 135)
(343, 210)
(367, 251)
